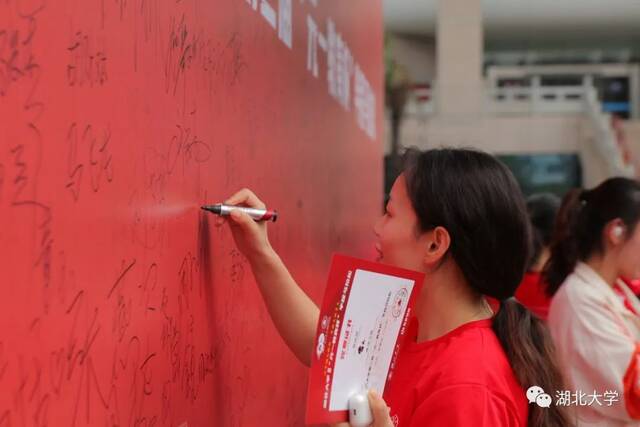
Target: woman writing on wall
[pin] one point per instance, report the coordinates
(459, 217)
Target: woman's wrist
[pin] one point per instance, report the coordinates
(264, 257)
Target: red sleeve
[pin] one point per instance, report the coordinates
(466, 405)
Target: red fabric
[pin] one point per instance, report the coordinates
(633, 284)
(531, 294)
(624, 299)
(631, 383)
(460, 379)
(493, 303)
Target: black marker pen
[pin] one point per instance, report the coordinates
(256, 214)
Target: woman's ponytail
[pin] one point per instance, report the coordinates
(528, 346)
(564, 246)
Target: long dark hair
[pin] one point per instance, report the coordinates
(542, 209)
(582, 218)
(477, 200)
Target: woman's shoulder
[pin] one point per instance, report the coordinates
(575, 295)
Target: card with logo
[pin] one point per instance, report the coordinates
(363, 319)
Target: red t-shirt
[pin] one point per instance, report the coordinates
(531, 293)
(462, 379)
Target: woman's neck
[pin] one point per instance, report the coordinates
(606, 268)
(447, 302)
(545, 254)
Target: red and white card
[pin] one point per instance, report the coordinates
(363, 320)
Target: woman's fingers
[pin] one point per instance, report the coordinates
(379, 410)
(244, 221)
(245, 197)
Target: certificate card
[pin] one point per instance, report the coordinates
(365, 310)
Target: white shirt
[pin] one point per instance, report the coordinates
(595, 336)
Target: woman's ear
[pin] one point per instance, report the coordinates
(615, 232)
(437, 242)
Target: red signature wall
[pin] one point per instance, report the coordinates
(120, 301)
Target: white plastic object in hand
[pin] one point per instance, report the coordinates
(359, 411)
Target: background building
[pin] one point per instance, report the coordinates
(551, 87)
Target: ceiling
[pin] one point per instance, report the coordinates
(510, 21)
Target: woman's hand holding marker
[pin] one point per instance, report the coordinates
(250, 236)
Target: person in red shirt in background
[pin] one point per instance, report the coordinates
(458, 216)
(531, 293)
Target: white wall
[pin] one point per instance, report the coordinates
(632, 133)
(499, 135)
(518, 135)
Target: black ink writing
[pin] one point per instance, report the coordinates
(88, 149)
(86, 65)
(124, 270)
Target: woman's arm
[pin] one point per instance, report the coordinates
(292, 311)
(294, 314)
